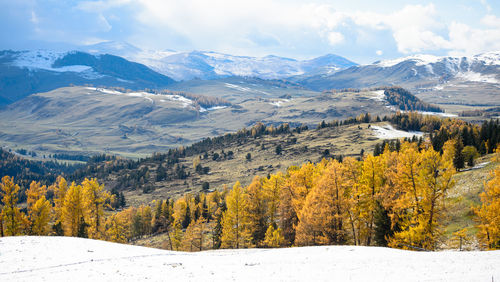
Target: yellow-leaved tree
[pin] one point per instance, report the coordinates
(13, 220)
(94, 199)
(39, 209)
(59, 189)
(72, 211)
(489, 213)
(236, 229)
(321, 220)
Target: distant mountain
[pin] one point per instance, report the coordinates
(419, 71)
(213, 65)
(26, 72)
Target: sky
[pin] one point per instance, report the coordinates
(361, 30)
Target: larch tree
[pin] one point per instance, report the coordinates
(322, 218)
(489, 212)
(39, 209)
(371, 181)
(13, 220)
(59, 190)
(257, 211)
(73, 211)
(94, 199)
(236, 231)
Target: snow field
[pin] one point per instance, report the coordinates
(76, 259)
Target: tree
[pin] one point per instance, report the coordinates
(59, 190)
(94, 198)
(39, 209)
(321, 221)
(470, 154)
(72, 211)
(12, 219)
(248, 157)
(279, 149)
(488, 213)
(274, 238)
(236, 223)
(256, 210)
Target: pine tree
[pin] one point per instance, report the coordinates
(236, 223)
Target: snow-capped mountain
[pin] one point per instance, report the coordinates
(414, 72)
(26, 72)
(213, 65)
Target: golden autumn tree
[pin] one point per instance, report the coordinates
(256, 210)
(352, 171)
(434, 179)
(72, 210)
(271, 189)
(94, 198)
(116, 228)
(274, 237)
(371, 181)
(321, 221)
(59, 190)
(489, 212)
(13, 220)
(236, 232)
(39, 209)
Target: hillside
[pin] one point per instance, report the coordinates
(62, 258)
(79, 120)
(455, 81)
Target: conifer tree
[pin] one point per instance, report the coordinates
(39, 209)
(274, 238)
(72, 211)
(256, 210)
(59, 190)
(12, 218)
(236, 223)
(94, 198)
(489, 212)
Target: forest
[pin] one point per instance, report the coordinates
(393, 199)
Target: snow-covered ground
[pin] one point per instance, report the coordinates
(389, 132)
(76, 259)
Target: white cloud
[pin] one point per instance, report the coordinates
(379, 52)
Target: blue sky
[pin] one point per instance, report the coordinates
(360, 30)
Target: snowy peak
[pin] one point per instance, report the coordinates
(212, 65)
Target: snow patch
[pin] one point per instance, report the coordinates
(420, 60)
(477, 77)
(237, 87)
(389, 132)
(279, 103)
(44, 59)
(379, 95)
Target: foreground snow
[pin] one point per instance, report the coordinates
(75, 259)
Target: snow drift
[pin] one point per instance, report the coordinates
(76, 259)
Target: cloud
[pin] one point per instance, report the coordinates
(379, 52)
